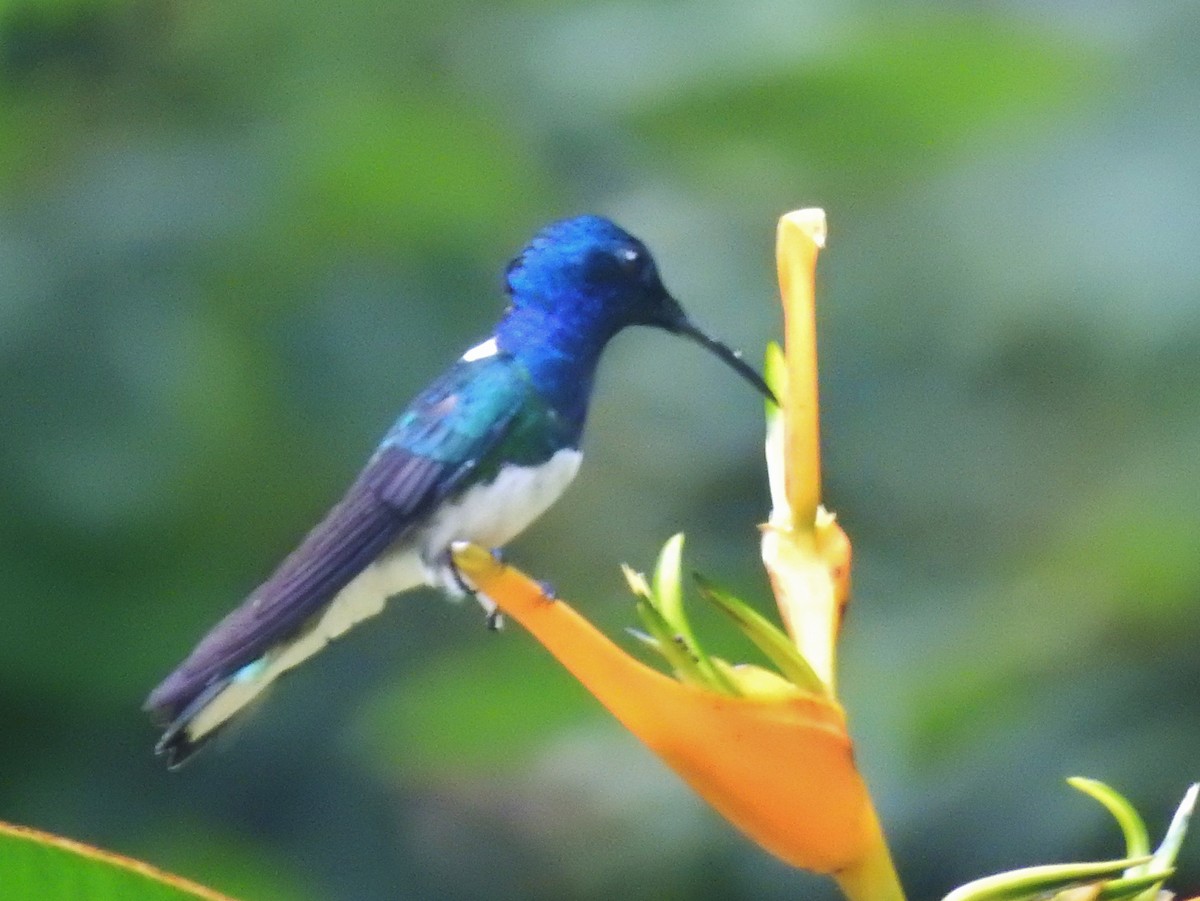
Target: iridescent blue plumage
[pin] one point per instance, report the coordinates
(478, 455)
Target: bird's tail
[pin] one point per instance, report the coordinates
(193, 710)
(190, 724)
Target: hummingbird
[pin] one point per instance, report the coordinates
(479, 455)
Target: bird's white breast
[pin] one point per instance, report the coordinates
(494, 513)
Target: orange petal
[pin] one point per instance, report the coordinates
(782, 771)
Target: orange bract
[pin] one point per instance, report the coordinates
(782, 771)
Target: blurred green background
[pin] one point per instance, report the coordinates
(236, 237)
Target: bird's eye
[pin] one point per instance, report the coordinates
(631, 260)
(625, 264)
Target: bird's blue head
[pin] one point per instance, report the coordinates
(591, 274)
(578, 283)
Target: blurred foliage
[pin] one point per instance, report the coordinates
(235, 239)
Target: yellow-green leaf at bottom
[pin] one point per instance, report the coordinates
(36, 866)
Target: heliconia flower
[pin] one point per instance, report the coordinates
(779, 767)
(769, 750)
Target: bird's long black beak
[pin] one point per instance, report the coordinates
(678, 322)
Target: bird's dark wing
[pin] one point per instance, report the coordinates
(426, 456)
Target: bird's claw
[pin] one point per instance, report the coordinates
(494, 616)
(459, 579)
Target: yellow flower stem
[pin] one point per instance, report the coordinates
(873, 876)
(799, 239)
(803, 549)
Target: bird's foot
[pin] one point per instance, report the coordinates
(456, 584)
(457, 579)
(549, 592)
(492, 615)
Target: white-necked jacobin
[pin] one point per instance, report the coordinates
(478, 456)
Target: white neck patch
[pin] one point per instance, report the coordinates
(488, 348)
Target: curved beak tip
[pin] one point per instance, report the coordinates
(732, 358)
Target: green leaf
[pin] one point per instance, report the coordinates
(647, 640)
(35, 866)
(769, 638)
(672, 645)
(775, 374)
(1137, 842)
(668, 589)
(1165, 856)
(1134, 886)
(1028, 883)
(637, 582)
(666, 596)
